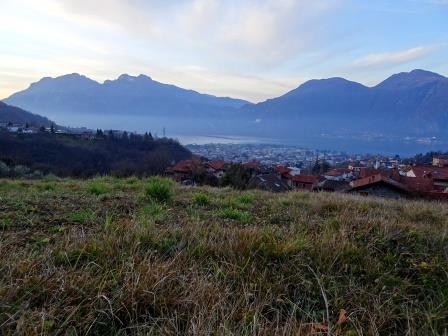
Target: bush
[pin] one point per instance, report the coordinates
(200, 199)
(159, 189)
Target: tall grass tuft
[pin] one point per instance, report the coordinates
(97, 188)
(200, 199)
(159, 189)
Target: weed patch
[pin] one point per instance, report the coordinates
(97, 188)
(200, 199)
(83, 216)
(235, 214)
(159, 189)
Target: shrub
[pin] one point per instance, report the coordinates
(159, 189)
(200, 199)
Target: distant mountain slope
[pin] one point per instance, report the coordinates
(17, 115)
(127, 95)
(406, 103)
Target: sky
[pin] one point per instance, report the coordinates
(250, 49)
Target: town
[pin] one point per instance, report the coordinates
(315, 171)
(280, 168)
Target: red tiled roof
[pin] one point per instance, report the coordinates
(216, 164)
(417, 184)
(431, 172)
(303, 178)
(365, 172)
(282, 170)
(375, 179)
(252, 165)
(366, 180)
(184, 166)
(337, 172)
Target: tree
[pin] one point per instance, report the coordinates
(320, 168)
(147, 137)
(52, 130)
(236, 176)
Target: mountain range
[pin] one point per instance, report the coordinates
(139, 95)
(413, 103)
(410, 104)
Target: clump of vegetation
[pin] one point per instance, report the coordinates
(83, 216)
(261, 263)
(97, 187)
(200, 199)
(235, 214)
(245, 199)
(159, 189)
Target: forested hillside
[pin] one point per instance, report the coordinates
(72, 155)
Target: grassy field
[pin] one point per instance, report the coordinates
(128, 256)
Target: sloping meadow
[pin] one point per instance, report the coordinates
(132, 256)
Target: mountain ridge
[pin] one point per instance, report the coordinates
(16, 115)
(411, 103)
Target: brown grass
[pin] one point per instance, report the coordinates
(117, 262)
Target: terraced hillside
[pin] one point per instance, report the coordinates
(128, 256)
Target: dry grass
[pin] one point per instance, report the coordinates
(80, 262)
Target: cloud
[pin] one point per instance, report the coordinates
(393, 58)
(259, 31)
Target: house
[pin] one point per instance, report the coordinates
(339, 174)
(282, 171)
(437, 175)
(182, 170)
(380, 186)
(440, 161)
(216, 167)
(362, 172)
(269, 182)
(253, 167)
(302, 182)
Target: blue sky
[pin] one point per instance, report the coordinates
(253, 49)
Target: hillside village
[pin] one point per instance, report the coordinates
(389, 179)
(383, 177)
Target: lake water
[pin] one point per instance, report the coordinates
(187, 131)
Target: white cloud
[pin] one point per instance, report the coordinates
(393, 58)
(260, 31)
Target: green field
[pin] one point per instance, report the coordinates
(127, 256)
